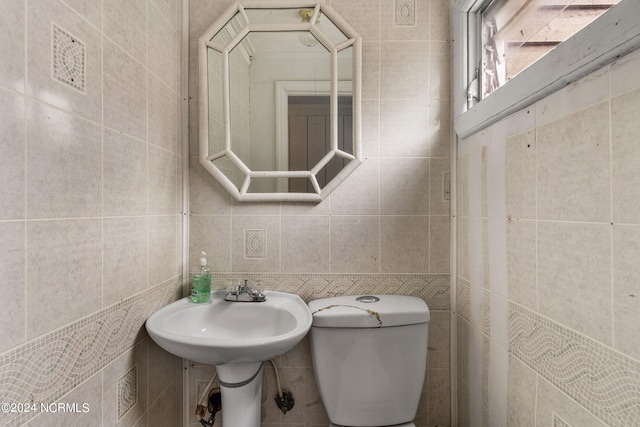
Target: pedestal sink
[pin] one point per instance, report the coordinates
(236, 337)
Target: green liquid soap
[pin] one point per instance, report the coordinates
(201, 283)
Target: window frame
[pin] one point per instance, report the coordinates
(611, 36)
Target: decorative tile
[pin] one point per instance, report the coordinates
(603, 381)
(255, 244)
(68, 63)
(559, 422)
(486, 312)
(474, 304)
(463, 299)
(127, 391)
(45, 369)
(404, 13)
(433, 288)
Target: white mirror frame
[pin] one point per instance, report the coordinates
(207, 158)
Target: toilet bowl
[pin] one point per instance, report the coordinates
(369, 356)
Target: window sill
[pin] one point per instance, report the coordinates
(613, 35)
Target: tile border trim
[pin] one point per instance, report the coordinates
(602, 380)
(433, 288)
(48, 367)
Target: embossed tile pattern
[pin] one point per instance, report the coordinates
(127, 391)
(47, 368)
(463, 299)
(68, 61)
(559, 422)
(433, 288)
(404, 13)
(602, 380)
(255, 244)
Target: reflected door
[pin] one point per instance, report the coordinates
(310, 138)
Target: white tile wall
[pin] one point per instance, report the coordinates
(125, 92)
(570, 227)
(387, 218)
(405, 140)
(63, 164)
(12, 304)
(89, 206)
(12, 166)
(625, 134)
(125, 23)
(125, 169)
(12, 46)
(57, 252)
(626, 276)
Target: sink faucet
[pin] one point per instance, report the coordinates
(244, 293)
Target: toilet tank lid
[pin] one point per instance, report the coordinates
(368, 311)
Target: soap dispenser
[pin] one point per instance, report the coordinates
(201, 282)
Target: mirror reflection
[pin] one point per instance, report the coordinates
(281, 102)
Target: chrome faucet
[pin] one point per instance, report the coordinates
(244, 293)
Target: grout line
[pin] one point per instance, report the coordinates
(102, 129)
(379, 121)
(25, 146)
(536, 219)
(182, 20)
(146, 141)
(612, 240)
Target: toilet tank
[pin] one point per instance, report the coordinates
(369, 357)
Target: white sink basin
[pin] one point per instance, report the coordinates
(223, 332)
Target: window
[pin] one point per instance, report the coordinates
(508, 54)
(517, 33)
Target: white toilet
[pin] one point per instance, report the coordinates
(369, 356)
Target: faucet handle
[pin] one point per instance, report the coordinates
(255, 287)
(232, 287)
(257, 295)
(236, 291)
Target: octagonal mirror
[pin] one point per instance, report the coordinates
(280, 86)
